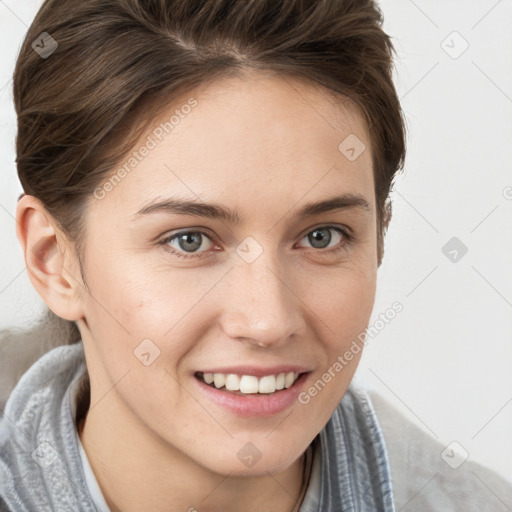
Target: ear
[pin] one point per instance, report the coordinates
(50, 259)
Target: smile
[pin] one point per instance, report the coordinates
(249, 384)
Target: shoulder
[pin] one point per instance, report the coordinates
(36, 433)
(47, 376)
(424, 478)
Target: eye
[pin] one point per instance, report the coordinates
(321, 237)
(186, 242)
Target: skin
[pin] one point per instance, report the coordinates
(265, 146)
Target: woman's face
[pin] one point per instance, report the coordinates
(180, 290)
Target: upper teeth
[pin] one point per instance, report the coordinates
(250, 383)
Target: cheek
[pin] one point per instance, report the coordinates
(146, 316)
(125, 294)
(345, 309)
(120, 312)
(152, 295)
(345, 302)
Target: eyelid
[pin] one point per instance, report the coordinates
(341, 227)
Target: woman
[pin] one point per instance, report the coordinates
(264, 135)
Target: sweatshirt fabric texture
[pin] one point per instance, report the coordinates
(43, 466)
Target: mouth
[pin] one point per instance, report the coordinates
(249, 384)
(251, 392)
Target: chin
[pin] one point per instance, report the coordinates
(249, 461)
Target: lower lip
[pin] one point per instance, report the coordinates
(254, 405)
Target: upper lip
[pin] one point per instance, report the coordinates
(257, 371)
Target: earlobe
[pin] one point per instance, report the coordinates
(47, 258)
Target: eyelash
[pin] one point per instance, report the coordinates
(349, 238)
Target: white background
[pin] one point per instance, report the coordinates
(445, 360)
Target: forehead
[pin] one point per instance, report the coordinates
(256, 139)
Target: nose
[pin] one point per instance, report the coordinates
(260, 305)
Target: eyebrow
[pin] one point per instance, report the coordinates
(179, 206)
